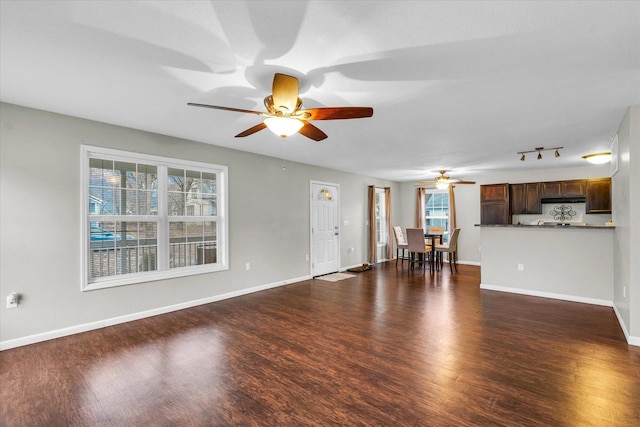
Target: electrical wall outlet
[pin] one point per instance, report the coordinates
(12, 300)
(520, 267)
(247, 266)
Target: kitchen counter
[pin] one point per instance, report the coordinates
(570, 226)
(546, 261)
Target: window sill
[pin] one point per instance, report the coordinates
(133, 279)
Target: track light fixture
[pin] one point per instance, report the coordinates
(539, 150)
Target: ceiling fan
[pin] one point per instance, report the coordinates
(285, 116)
(442, 182)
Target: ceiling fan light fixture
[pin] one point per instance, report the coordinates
(598, 158)
(283, 126)
(442, 184)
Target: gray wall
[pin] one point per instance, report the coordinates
(574, 264)
(40, 223)
(626, 217)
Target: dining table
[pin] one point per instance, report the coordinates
(432, 237)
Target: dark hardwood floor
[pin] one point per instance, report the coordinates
(386, 348)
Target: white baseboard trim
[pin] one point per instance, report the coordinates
(631, 340)
(351, 266)
(469, 263)
(85, 327)
(551, 295)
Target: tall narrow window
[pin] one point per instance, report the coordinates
(437, 210)
(148, 218)
(381, 218)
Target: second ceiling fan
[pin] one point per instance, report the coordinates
(442, 182)
(285, 116)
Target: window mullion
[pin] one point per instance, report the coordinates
(163, 222)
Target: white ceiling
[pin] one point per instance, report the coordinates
(461, 86)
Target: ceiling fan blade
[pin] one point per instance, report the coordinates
(285, 92)
(462, 182)
(216, 107)
(310, 131)
(252, 130)
(335, 113)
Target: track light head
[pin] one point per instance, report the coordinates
(557, 153)
(539, 155)
(522, 158)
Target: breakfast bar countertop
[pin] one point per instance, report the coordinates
(547, 226)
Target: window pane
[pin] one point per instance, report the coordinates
(192, 243)
(147, 190)
(208, 253)
(147, 202)
(100, 201)
(176, 179)
(208, 183)
(180, 254)
(147, 177)
(101, 172)
(208, 194)
(147, 246)
(437, 212)
(122, 247)
(122, 188)
(176, 204)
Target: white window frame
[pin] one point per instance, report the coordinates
(384, 227)
(448, 228)
(162, 219)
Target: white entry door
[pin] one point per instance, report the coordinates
(325, 229)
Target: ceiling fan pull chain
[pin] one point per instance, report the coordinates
(284, 162)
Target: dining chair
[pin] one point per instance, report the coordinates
(417, 246)
(401, 244)
(450, 248)
(436, 230)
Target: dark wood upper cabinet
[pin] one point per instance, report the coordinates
(550, 189)
(598, 195)
(556, 189)
(574, 188)
(525, 198)
(499, 201)
(494, 204)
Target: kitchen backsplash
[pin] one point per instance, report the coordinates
(562, 208)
